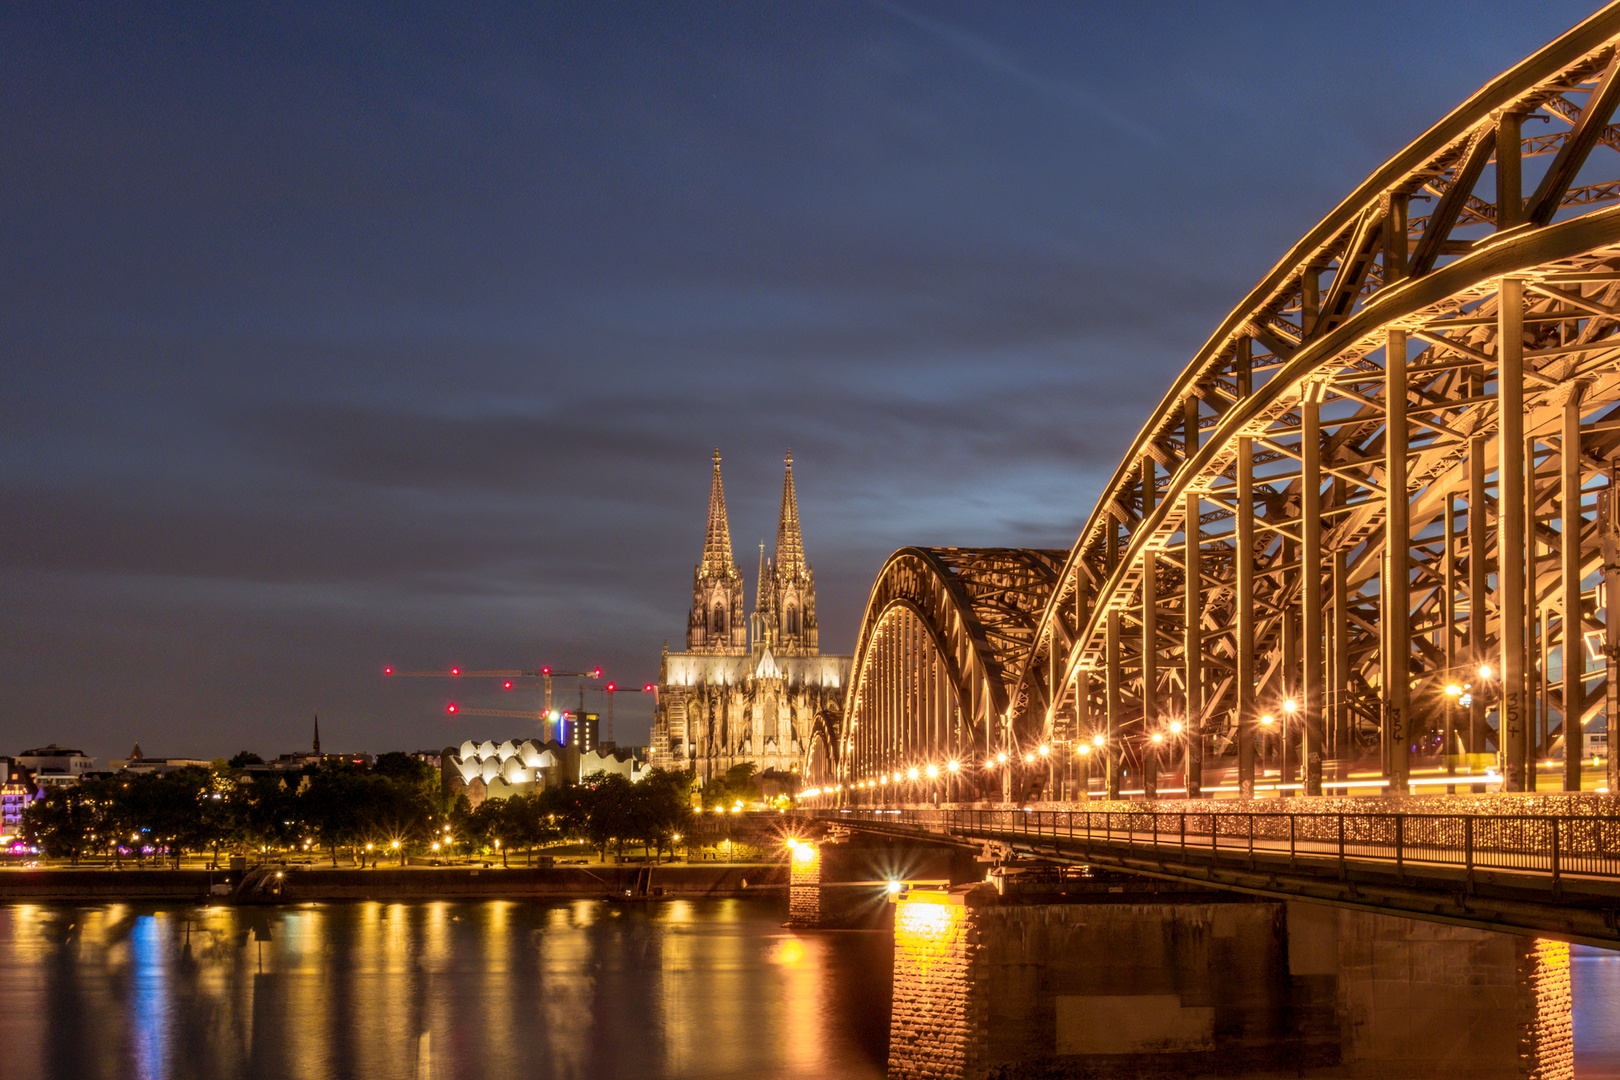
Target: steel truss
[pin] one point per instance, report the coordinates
(1358, 491)
(945, 634)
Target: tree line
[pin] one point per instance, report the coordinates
(397, 808)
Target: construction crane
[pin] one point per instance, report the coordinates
(547, 717)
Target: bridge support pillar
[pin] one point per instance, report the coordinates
(986, 985)
(804, 884)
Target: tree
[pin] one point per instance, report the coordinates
(736, 785)
(608, 802)
(68, 821)
(662, 806)
(244, 758)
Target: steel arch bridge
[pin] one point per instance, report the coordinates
(1387, 469)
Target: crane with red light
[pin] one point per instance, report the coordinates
(548, 715)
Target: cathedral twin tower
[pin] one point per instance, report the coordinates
(784, 618)
(748, 686)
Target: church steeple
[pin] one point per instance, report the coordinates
(792, 604)
(718, 622)
(717, 540)
(789, 544)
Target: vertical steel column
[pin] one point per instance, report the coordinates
(1339, 569)
(1609, 538)
(1478, 614)
(1570, 570)
(1243, 553)
(1509, 176)
(1150, 639)
(1510, 531)
(1396, 664)
(1310, 588)
(1193, 653)
(1113, 749)
(1448, 633)
(1535, 627)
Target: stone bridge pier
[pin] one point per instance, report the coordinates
(992, 986)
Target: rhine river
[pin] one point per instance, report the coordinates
(568, 989)
(571, 989)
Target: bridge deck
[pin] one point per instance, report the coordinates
(1551, 875)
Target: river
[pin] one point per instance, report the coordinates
(583, 989)
(709, 989)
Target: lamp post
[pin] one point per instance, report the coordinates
(1267, 722)
(1150, 766)
(1290, 706)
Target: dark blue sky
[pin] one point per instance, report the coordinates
(341, 335)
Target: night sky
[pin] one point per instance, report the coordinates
(339, 335)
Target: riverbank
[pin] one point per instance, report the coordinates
(302, 884)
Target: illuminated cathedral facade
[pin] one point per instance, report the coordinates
(749, 685)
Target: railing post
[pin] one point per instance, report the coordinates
(1341, 846)
(1468, 845)
(1555, 831)
(1292, 860)
(1184, 834)
(1400, 870)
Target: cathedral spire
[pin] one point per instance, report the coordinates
(718, 623)
(790, 558)
(717, 541)
(764, 585)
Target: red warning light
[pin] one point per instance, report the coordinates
(597, 674)
(647, 689)
(545, 671)
(611, 688)
(508, 684)
(388, 671)
(453, 707)
(455, 671)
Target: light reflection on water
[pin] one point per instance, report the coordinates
(686, 988)
(1595, 985)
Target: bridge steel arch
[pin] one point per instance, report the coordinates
(945, 633)
(1388, 465)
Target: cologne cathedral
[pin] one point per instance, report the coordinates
(749, 685)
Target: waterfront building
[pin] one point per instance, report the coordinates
(56, 766)
(490, 770)
(17, 791)
(748, 687)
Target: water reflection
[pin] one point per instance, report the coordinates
(1595, 988)
(569, 990)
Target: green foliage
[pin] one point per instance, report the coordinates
(244, 758)
(735, 785)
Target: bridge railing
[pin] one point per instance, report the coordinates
(1553, 845)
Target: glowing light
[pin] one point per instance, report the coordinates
(1289, 705)
(953, 765)
(388, 671)
(1096, 740)
(1045, 749)
(455, 671)
(1001, 758)
(893, 887)
(933, 771)
(1083, 750)
(912, 774)
(1484, 671)
(1268, 719)
(1028, 758)
(923, 928)
(508, 685)
(452, 707)
(1158, 736)
(1175, 727)
(1454, 690)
